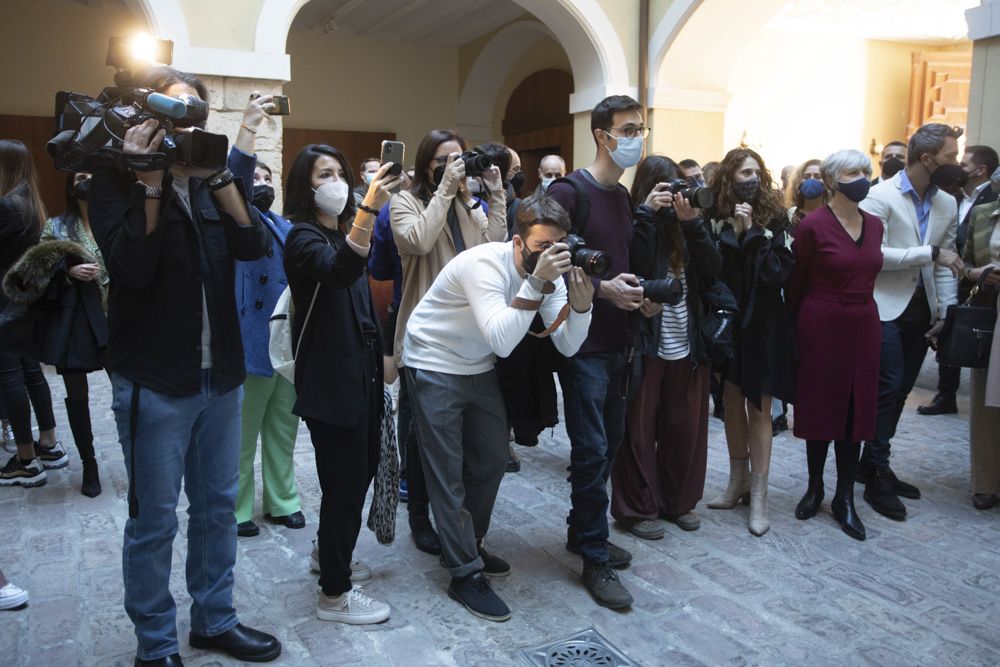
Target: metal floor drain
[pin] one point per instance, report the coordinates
(584, 649)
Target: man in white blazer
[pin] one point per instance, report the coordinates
(917, 283)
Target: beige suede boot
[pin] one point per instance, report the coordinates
(757, 522)
(739, 486)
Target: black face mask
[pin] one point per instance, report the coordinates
(517, 182)
(81, 190)
(948, 177)
(891, 167)
(530, 260)
(438, 175)
(263, 196)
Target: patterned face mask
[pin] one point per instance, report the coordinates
(746, 191)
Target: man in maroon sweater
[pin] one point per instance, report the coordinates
(592, 384)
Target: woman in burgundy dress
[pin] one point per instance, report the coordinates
(838, 255)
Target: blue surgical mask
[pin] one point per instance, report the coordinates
(629, 151)
(546, 182)
(812, 188)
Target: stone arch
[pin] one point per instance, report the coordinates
(165, 18)
(273, 23)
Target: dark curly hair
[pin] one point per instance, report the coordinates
(768, 207)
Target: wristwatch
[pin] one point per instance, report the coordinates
(536, 283)
(220, 180)
(153, 191)
(935, 251)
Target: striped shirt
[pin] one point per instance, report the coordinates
(674, 343)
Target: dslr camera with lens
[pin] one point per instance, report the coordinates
(91, 131)
(668, 291)
(596, 263)
(698, 196)
(476, 163)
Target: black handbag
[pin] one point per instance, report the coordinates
(719, 322)
(967, 336)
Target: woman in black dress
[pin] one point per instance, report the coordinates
(749, 222)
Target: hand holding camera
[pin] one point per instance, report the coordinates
(623, 291)
(382, 186)
(580, 290)
(685, 211)
(553, 262)
(660, 196)
(145, 139)
(454, 175)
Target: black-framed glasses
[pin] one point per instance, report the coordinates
(631, 132)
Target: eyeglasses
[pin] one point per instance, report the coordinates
(631, 131)
(440, 160)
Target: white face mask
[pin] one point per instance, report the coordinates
(546, 182)
(331, 198)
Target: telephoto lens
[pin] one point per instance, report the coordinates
(596, 263)
(668, 291)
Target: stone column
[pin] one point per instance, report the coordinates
(228, 97)
(984, 95)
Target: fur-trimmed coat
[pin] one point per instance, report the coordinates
(52, 317)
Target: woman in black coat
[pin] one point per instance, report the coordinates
(660, 471)
(22, 215)
(338, 368)
(749, 221)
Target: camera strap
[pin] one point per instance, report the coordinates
(520, 303)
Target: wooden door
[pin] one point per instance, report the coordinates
(537, 122)
(939, 89)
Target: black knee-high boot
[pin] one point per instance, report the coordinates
(816, 451)
(848, 454)
(78, 412)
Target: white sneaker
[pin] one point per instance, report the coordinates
(12, 597)
(17, 473)
(353, 608)
(359, 570)
(53, 457)
(8, 438)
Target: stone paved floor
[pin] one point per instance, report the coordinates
(926, 591)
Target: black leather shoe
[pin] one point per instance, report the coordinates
(850, 522)
(808, 507)
(880, 494)
(939, 406)
(240, 642)
(899, 487)
(423, 534)
(170, 661)
(779, 425)
(984, 501)
(293, 520)
(247, 529)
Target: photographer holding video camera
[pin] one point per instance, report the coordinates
(660, 471)
(169, 237)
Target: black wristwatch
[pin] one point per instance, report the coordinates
(935, 251)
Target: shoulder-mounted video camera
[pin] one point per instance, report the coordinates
(90, 132)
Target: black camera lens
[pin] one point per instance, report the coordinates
(697, 196)
(595, 263)
(476, 163)
(663, 290)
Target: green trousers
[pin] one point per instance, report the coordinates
(267, 411)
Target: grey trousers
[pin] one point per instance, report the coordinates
(984, 438)
(461, 424)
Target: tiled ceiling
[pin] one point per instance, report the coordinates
(897, 20)
(445, 22)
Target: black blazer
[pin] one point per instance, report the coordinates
(157, 281)
(649, 259)
(330, 366)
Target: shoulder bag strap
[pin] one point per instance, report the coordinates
(305, 322)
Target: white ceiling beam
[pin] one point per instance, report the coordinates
(391, 18)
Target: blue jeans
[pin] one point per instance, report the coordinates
(595, 422)
(195, 439)
(904, 347)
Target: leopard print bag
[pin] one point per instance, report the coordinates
(385, 498)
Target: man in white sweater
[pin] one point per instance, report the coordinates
(480, 307)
